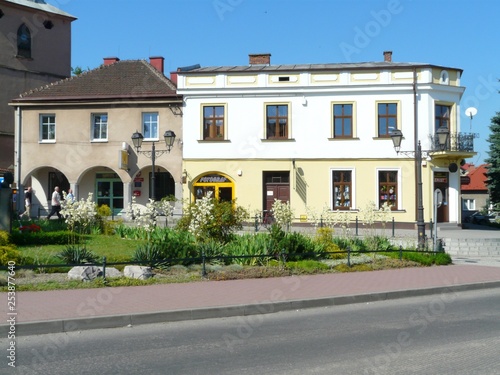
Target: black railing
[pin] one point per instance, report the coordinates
(203, 259)
(457, 142)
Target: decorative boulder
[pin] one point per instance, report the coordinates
(112, 272)
(84, 273)
(138, 272)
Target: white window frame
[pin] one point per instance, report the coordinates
(49, 124)
(353, 188)
(469, 204)
(93, 124)
(398, 193)
(145, 121)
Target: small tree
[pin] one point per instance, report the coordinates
(493, 174)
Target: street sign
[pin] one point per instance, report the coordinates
(438, 197)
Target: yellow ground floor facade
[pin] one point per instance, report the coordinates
(316, 186)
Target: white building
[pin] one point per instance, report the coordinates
(318, 135)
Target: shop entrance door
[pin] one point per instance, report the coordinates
(276, 186)
(217, 185)
(441, 182)
(109, 191)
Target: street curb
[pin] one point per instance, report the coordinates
(117, 321)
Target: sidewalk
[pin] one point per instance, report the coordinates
(75, 310)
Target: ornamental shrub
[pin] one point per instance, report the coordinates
(209, 219)
(325, 243)
(8, 253)
(4, 238)
(77, 255)
(282, 214)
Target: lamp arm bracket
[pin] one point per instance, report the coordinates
(149, 154)
(411, 154)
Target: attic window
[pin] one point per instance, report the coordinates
(283, 79)
(445, 78)
(48, 24)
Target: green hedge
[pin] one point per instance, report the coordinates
(43, 238)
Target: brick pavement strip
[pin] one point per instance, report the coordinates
(172, 302)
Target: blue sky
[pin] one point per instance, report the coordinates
(454, 33)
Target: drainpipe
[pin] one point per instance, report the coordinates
(415, 135)
(17, 161)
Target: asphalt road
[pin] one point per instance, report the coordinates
(453, 333)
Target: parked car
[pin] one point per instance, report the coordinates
(494, 217)
(479, 218)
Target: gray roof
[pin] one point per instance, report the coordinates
(41, 5)
(311, 67)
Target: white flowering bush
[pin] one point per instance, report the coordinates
(209, 219)
(79, 215)
(201, 215)
(145, 216)
(282, 213)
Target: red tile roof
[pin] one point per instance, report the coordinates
(128, 79)
(477, 176)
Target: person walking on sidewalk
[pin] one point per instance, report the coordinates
(27, 202)
(56, 204)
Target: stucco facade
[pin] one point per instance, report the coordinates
(302, 164)
(77, 134)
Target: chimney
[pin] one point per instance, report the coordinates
(173, 76)
(110, 60)
(157, 63)
(388, 56)
(260, 59)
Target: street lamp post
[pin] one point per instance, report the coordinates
(137, 139)
(397, 137)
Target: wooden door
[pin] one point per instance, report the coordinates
(274, 191)
(441, 182)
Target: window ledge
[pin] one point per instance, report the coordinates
(344, 139)
(388, 138)
(349, 210)
(21, 57)
(278, 140)
(99, 141)
(214, 141)
(47, 141)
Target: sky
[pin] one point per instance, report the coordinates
(461, 34)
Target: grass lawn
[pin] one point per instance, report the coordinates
(114, 248)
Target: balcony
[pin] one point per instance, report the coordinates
(458, 143)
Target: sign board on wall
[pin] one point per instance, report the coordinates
(123, 159)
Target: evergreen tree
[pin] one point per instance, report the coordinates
(493, 174)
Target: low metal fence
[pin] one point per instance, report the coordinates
(282, 257)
